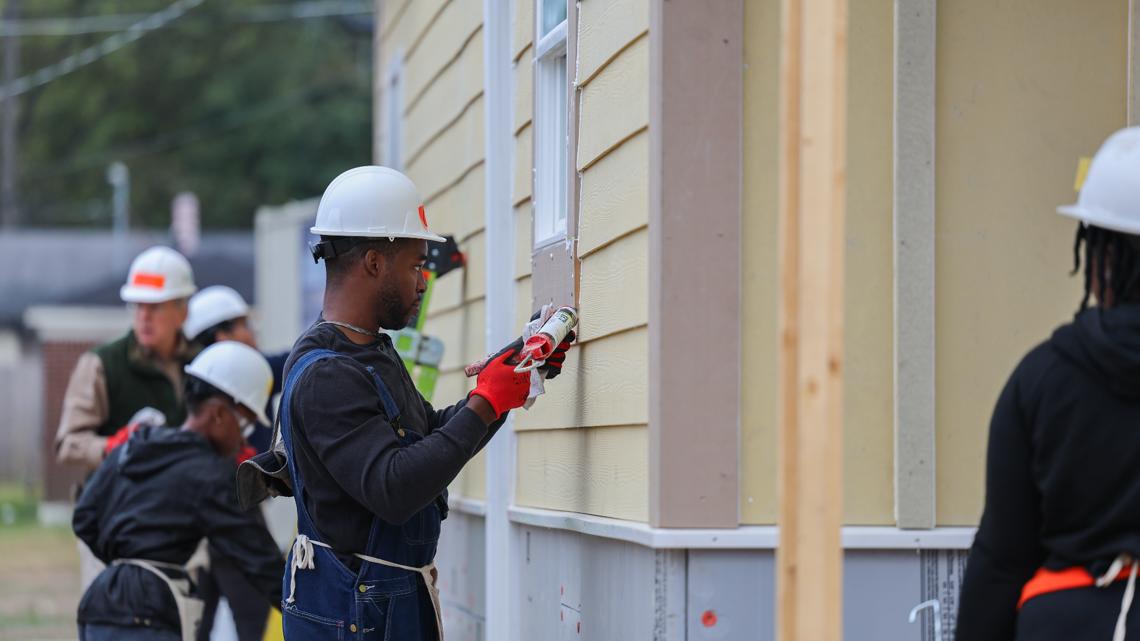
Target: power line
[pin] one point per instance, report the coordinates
(137, 30)
(107, 23)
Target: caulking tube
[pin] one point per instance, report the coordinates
(539, 347)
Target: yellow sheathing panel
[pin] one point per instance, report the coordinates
(461, 330)
(523, 92)
(447, 158)
(475, 272)
(523, 28)
(604, 28)
(603, 383)
(446, 99)
(601, 471)
(523, 180)
(615, 195)
(445, 40)
(614, 286)
(524, 238)
(758, 450)
(868, 409)
(1024, 88)
(458, 210)
(522, 301)
(615, 105)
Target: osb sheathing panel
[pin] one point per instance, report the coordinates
(1024, 88)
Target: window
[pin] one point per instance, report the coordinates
(550, 123)
(393, 99)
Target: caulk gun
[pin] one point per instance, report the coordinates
(539, 347)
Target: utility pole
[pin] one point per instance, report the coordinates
(119, 177)
(9, 122)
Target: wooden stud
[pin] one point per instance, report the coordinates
(813, 78)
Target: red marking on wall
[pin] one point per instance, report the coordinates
(708, 619)
(561, 616)
(579, 627)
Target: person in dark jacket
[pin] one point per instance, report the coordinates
(155, 498)
(1055, 556)
(219, 313)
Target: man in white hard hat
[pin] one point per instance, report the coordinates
(217, 314)
(134, 379)
(368, 460)
(1057, 552)
(149, 505)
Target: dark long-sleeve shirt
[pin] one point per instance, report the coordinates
(348, 455)
(155, 498)
(1061, 483)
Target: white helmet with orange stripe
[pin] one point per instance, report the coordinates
(157, 275)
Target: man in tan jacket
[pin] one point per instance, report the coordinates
(135, 379)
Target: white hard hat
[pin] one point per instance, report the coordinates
(1110, 197)
(238, 370)
(157, 275)
(372, 202)
(211, 306)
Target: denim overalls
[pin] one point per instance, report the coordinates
(325, 600)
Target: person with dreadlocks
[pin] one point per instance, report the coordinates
(1057, 552)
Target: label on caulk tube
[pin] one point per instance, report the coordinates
(941, 575)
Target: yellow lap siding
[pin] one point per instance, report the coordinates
(601, 471)
(522, 28)
(615, 195)
(411, 26)
(604, 27)
(458, 210)
(604, 382)
(523, 92)
(616, 104)
(475, 273)
(445, 39)
(524, 238)
(614, 285)
(450, 156)
(461, 330)
(523, 178)
(446, 99)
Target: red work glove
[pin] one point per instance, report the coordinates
(246, 452)
(499, 385)
(553, 365)
(120, 437)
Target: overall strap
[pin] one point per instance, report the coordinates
(284, 418)
(390, 408)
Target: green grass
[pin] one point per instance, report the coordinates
(17, 505)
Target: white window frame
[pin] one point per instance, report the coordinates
(551, 130)
(393, 97)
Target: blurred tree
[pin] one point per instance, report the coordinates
(242, 113)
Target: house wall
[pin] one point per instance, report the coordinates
(584, 446)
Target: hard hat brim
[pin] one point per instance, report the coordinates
(1100, 218)
(205, 376)
(131, 294)
(427, 235)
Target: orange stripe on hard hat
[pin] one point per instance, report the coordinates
(144, 279)
(1047, 581)
(423, 217)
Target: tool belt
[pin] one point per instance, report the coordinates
(190, 607)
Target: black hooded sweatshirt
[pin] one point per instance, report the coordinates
(1062, 470)
(155, 498)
